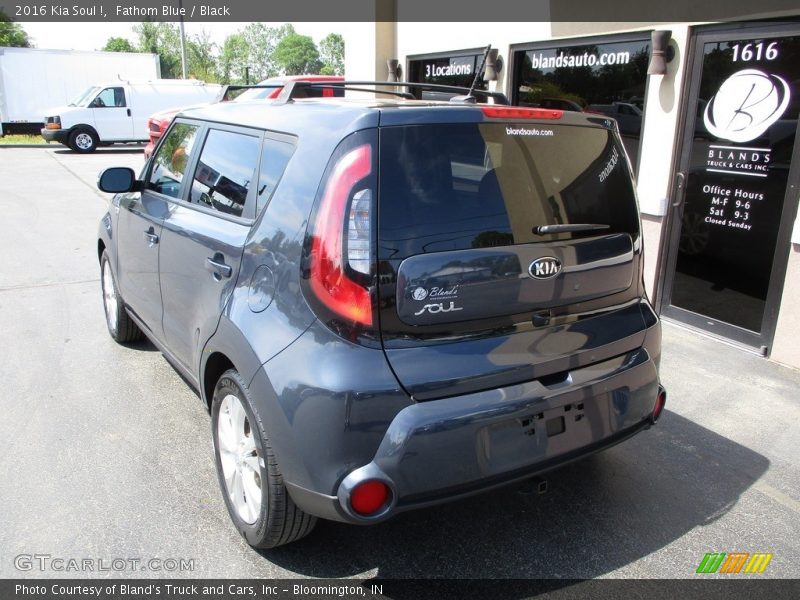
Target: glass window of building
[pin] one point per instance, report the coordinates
(607, 78)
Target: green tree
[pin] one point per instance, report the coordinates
(233, 59)
(331, 52)
(261, 43)
(12, 34)
(297, 55)
(201, 57)
(118, 44)
(162, 39)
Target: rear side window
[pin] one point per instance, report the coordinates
(170, 161)
(274, 158)
(225, 171)
(458, 186)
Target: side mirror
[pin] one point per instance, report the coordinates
(117, 180)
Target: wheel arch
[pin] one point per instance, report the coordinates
(82, 126)
(227, 348)
(105, 238)
(216, 365)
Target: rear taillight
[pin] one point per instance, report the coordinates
(511, 112)
(658, 408)
(340, 258)
(359, 232)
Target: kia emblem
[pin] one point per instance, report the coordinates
(545, 267)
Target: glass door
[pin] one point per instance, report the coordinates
(733, 209)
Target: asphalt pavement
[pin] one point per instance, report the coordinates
(105, 452)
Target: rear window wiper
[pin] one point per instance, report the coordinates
(569, 228)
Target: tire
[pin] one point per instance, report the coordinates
(268, 517)
(83, 140)
(120, 325)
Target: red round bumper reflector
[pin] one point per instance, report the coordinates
(369, 497)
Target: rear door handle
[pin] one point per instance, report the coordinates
(218, 267)
(129, 112)
(151, 237)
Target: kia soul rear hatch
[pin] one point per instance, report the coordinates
(498, 243)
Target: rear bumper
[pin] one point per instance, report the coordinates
(56, 135)
(441, 450)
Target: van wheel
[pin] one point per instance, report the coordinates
(120, 325)
(256, 498)
(83, 140)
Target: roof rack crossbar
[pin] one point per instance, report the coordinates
(289, 90)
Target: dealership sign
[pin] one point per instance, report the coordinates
(752, 127)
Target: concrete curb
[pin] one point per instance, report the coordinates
(27, 146)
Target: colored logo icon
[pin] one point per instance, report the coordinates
(745, 105)
(734, 562)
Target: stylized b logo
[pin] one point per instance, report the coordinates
(748, 102)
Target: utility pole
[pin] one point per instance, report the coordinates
(183, 40)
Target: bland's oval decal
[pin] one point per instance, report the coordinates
(545, 267)
(746, 104)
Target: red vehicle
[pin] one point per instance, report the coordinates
(158, 123)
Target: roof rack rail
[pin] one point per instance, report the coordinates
(293, 89)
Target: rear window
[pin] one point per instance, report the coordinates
(458, 186)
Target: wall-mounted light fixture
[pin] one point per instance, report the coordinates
(494, 65)
(395, 70)
(660, 52)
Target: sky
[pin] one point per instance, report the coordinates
(93, 36)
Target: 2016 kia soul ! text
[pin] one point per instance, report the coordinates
(386, 303)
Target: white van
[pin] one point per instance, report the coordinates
(117, 112)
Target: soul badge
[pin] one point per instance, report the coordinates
(438, 308)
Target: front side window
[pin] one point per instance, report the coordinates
(110, 98)
(225, 171)
(170, 161)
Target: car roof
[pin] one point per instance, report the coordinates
(300, 114)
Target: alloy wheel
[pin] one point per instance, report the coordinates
(239, 457)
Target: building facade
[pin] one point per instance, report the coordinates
(712, 142)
